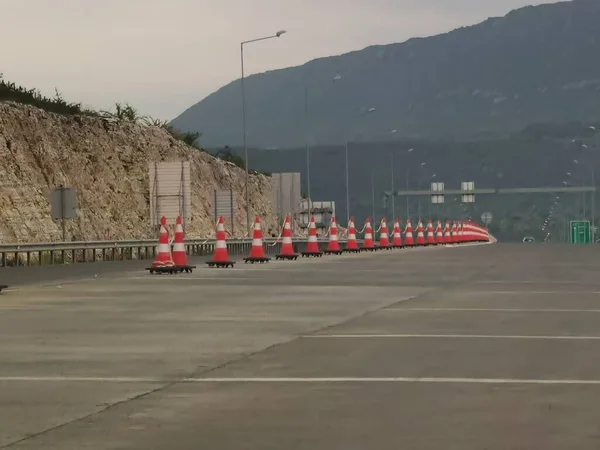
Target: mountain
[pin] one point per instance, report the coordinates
(540, 156)
(536, 64)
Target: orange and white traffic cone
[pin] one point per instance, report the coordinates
(420, 234)
(447, 234)
(384, 238)
(179, 255)
(163, 263)
(287, 247)
(333, 248)
(430, 236)
(220, 256)
(397, 236)
(257, 252)
(409, 239)
(368, 243)
(439, 234)
(351, 244)
(461, 233)
(312, 246)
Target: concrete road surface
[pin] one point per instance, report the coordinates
(488, 347)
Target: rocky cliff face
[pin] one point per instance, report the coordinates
(107, 163)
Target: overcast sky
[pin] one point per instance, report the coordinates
(162, 56)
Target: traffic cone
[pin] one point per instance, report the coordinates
(179, 256)
(287, 247)
(420, 234)
(397, 236)
(447, 235)
(467, 233)
(430, 235)
(384, 239)
(409, 239)
(368, 239)
(257, 252)
(312, 246)
(439, 234)
(220, 256)
(454, 233)
(351, 244)
(163, 261)
(461, 233)
(333, 248)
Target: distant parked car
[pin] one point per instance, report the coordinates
(528, 240)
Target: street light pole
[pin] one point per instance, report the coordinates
(593, 208)
(407, 197)
(393, 192)
(370, 110)
(276, 35)
(373, 194)
(307, 150)
(347, 188)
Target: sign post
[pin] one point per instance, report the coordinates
(581, 232)
(486, 218)
(63, 205)
(225, 203)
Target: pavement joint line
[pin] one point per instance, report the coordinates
(446, 336)
(193, 380)
(511, 310)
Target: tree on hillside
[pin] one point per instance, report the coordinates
(226, 154)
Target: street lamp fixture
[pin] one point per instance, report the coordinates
(276, 35)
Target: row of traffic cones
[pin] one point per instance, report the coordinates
(165, 261)
(257, 253)
(176, 261)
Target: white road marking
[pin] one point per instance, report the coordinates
(510, 310)
(525, 282)
(21, 307)
(87, 379)
(563, 293)
(445, 336)
(389, 380)
(303, 380)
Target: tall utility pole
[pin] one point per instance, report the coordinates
(276, 35)
(407, 188)
(347, 188)
(373, 193)
(393, 192)
(307, 150)
(593, 208)
(369, 111)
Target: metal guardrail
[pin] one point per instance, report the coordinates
(94, 251)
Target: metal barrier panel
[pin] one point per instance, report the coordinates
(12, 255)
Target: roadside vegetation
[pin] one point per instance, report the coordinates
(122, 112)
